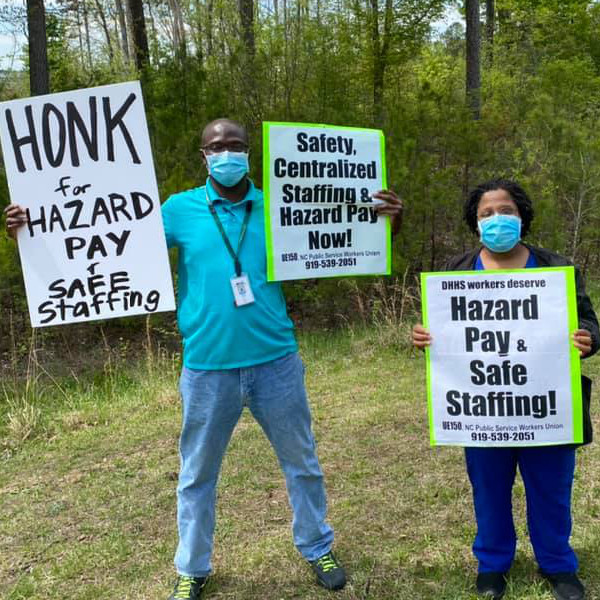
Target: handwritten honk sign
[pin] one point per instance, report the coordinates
(80, 163)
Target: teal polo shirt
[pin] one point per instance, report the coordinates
(216, 333)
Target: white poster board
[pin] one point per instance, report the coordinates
(502, 369)
(320, 218)
(80, 162)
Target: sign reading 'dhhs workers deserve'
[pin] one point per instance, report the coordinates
(502, 369)
(320, 218)
(80, 163)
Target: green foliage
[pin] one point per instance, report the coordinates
(317, 62)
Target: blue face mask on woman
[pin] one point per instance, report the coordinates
(500, 233)
(227, 167)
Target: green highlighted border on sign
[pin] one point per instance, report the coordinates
(267, 196)
(574, 358)
(427, 358)
(271, 275)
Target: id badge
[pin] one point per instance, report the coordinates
(242, 292)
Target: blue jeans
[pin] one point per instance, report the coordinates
(548, 477)
(212, 404)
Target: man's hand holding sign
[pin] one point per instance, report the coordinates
(390, 206)
(16, 217)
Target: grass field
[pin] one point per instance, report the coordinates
(88, 477)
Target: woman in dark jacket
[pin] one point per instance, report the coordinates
(500, 212)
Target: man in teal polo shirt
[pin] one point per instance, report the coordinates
(239, 350)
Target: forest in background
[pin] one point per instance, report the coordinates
(514, 94)
(89, 413)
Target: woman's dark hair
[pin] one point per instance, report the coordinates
(516, 192)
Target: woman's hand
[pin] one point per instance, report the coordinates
(421, 338)
(582, 340)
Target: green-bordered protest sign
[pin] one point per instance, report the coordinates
(320, 217)
(502, 369)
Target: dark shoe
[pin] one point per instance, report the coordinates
(188, 588)
(330, 574)
(565, 586)
(491, 585)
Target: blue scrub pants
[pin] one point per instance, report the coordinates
(547, 473)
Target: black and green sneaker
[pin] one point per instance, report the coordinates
(330, 574)
(188, 588)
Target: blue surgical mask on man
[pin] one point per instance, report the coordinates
(227, 167)
(500, 233)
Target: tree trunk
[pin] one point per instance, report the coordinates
(246, 9)
(209, 27)
(473, 69)
(377, 69)
(179, 44)
(197, 31)
(102, 17)
(39, 80)
(138, 29)
(123, 29)
(80, 37)
(489, 29)
(248, 86)
(380, 55)
(86, 28)
(152, 21)
(129, 23)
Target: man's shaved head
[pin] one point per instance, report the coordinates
(221, 128)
